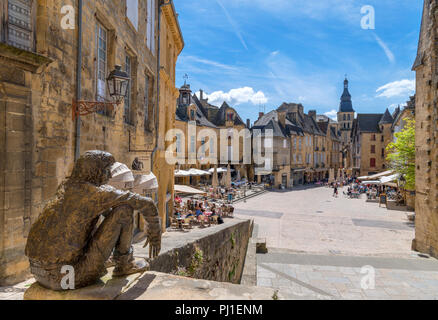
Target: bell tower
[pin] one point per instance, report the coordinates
(346, 114)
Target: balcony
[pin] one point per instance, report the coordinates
(316, 148)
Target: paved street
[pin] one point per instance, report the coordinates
(320, 245)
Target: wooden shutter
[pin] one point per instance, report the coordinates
(20, 24)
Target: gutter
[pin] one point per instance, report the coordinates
(78, 82)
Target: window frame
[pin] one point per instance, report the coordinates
(4, 25)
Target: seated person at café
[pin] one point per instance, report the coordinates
(199, 212)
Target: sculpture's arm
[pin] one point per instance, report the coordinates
(111, 197)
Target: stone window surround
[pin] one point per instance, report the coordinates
(4, 23)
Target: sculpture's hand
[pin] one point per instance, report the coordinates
(154, 241)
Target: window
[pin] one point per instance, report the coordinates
(128, 70)
(212, 148)
(178, 143)
(230, 116)
(203, 146)
(192, 114)
(372, 162)
(132, 12)
(373, 137)
(284, 144)
(345, 118)
(299, 144)
(150, 32)
(382, 139)
(383, 152)
(373, 149)
(146, 102)
(102, 58)
(17, 28)
(192, 144)
(349, 117)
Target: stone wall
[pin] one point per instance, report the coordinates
(37, 132)
(218, 256)
(426, 104)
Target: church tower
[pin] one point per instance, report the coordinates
(346, 115)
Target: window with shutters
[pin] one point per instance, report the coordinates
(17, 27)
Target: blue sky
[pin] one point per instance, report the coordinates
(265, 52)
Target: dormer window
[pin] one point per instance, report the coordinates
(192, 114)
(230, 116)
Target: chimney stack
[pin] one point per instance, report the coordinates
(261, 114)
(282, 118)
(312, 113)
(248, 123)
(201, 94)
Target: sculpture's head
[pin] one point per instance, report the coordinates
(93, 167)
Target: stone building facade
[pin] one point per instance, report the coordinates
(426, 66)
(39, 80)
(198, 151)
(371, 134)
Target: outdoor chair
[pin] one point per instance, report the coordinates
(187, 224)
(174, 223)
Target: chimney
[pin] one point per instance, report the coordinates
(201, 94)
(261, 114)
(312, 113)
(248, 123)
(282, 118)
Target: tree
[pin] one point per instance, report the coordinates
(401, 154)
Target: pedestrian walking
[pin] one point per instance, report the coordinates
(335, 191)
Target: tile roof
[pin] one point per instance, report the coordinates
(369, 122)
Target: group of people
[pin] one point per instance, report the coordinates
(199, 209)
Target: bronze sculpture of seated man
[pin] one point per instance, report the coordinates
(67, 231)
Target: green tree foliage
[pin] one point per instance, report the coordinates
(401, 153)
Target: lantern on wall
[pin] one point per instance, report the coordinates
(117, 83)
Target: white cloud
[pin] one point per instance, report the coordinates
(385, 48)
(333, 114)
(396, 89)
(237, 96)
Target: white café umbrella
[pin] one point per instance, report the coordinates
(121, 175)
(181, 173)
(238, 175)
(215, 180)
(145, 182)
(228, 179)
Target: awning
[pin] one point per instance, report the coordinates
(187, 190)
(391, 178)
(377, 176)
(371, 182)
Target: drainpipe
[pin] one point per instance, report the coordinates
(78, 82)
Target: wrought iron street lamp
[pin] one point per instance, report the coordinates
(117, 83)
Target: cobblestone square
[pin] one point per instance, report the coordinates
(319, 245)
